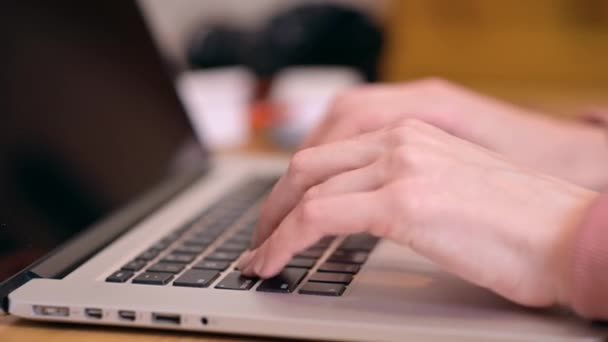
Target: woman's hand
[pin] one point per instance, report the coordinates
(567, 149)
(469, 210)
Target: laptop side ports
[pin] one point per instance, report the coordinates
(166, 319)
(93, 313)
(126, 315)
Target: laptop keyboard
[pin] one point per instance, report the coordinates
(204, 252)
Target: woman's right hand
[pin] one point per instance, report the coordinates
(567, 149)
(470, 210)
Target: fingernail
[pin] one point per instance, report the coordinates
(258, 264)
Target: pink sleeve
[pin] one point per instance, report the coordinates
(589, 267)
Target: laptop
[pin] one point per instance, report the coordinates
(113, 213)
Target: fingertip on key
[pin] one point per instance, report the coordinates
(245, 260)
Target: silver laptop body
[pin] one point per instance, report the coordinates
(123, 219)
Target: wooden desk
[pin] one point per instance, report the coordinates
(13, 329)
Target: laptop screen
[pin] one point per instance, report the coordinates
(89, 121)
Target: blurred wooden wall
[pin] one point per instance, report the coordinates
(502, 44)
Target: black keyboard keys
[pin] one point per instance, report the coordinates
(339, 268)
(148, 255)
(134, 265)
(179, 258)
(202, 241)
(212, 265)
(322, 289)
(349, 257)
(192, 249)
(336, 278)
(240, 238)
(236, 281)
(119, 277)
(223, 256)
(312, 253)
(324, 242)
(359, 242)
(150, 278)
(161, 245)
(284, 282)
(301, 263)
(233, 247)
(166, 267)
(196, 278)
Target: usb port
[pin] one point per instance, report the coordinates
(169, 319)
(56, 311)
(126, 315)
(93, 313)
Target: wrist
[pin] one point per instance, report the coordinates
(568, 244)
(589, 165)
(571, 150)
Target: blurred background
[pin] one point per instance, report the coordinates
(548, 54)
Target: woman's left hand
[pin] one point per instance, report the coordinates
(469, 210)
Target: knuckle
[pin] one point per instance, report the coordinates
(412, 125)
(348, 100)
(296, 170)
(433, 84)
(311, 194)
(400, 135)
(406, 130)
(402, 157)
(343, 102)
(403, 196)
(308, 214)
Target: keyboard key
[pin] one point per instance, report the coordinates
(182, 230)
(339, 268)
(223, 256)
(324, 243)
(153, 278)
(322, 289)
(349, 257)
(238, 238)
(134, 265)
(192, 249)
(336, 278)
(166, 267)
(236, 281)
(161, 245)
(312, 253)
(284, 282)
(301, 263)
(233, 247)
(212, 265)
(173, 236)
(196, 278)
(148, 255)
(119, 276)
(203, 241)
(220, 226)
(179, 258)
(359, 242)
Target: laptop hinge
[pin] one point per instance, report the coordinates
(13, 283)
(81, 248)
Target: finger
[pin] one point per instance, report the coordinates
(368, 178)
(361, 122)
(311, 167)
(310, 221)
(340, 112)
